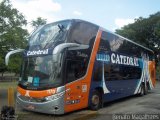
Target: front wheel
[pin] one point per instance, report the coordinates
(96, 100)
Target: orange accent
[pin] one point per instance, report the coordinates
(75, 88)
(36, 94)
(152, 72)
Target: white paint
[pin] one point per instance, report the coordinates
(124, 60)
(103, 82)
(84, 88)
(27, 94)
(30, 79)
(145, 74)
(51, 91)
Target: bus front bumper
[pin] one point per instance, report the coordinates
(55, 106)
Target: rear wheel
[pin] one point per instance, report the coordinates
(96, 100)
(144, 89)
(142, 92)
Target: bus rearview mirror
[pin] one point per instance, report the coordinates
(71, 46)
(11, 53)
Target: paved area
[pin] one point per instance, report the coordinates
(147, 107)
(135, 107)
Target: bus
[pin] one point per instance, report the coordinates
(74, 64)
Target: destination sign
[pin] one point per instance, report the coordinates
(38, 52)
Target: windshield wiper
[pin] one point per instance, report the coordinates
(61, 28)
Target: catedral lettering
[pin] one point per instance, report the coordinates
(39, 52)
(124, 60)
(74, 64)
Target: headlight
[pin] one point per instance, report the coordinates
(55, 96)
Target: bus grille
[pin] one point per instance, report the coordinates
(30, 99)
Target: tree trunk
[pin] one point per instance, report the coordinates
(2, 74)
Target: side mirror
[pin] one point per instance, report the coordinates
(11, 53)
(71, 46)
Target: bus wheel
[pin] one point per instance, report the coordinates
(96, 101)
(144, 90)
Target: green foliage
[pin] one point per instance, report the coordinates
(14, 64)
(2, 65)
(12, 34)
(38, 22)
(145, 31)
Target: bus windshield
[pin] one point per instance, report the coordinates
(50, 33)
(40, 72)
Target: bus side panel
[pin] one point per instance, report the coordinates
(152, 72)
(115, 88)
(148, 75)
(73, 96)
(77, 92)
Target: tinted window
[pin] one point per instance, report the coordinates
(97, 76)
(121, 72)
(75, 70)
(104, 44)
(83, 33)
(50, 33)
(129, 48)
(114, 41)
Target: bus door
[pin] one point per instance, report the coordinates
(73, 95)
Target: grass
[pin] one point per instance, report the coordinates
(6, 85)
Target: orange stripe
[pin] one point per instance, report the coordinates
(77, 94)
(152, 72)
(91, 65)
(36, 94)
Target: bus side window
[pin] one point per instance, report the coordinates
(107, 71)
(97, 76)
(115, 72)
(82, 33)
(74, 70)
(104, 43)
(103, 49)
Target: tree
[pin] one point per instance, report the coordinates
(13, 66)
(12, 34)
(145, 31)
(38, 22)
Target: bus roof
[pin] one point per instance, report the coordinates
(127, 39)
(116, 35)
(103, 29)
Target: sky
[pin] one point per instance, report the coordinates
(109, 14)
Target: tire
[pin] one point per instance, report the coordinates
(96, 100)
(142, 90)
(146, 89)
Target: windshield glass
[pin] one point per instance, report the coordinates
(50, 33)
(40, 72)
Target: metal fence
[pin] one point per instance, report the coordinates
(8, 78)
